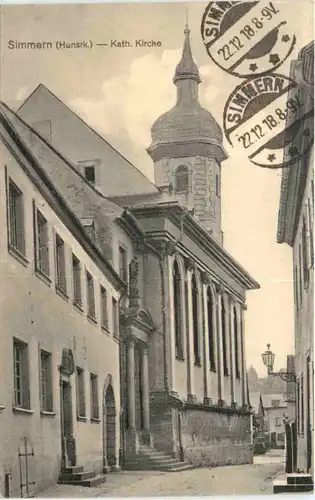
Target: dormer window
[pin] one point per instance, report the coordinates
(181, 179)
(89, 173)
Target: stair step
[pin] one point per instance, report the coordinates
(76, 469)
(299, 478)
(77, 477)
(92, 482)
(283, 487)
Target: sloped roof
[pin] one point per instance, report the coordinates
(15, 139)
(122, 176)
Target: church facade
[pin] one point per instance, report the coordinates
(183, 389)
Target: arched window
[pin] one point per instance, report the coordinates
(236, 345)
(195, 320)
(210, 330)
(224, 342)
(181, 179)
(177, 311)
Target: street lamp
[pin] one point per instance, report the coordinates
(268, 358)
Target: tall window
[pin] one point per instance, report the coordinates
(94, 396)
(115, 318)
(310, 225)
(16, 218)
(42, 244)
(80, 393)
(123, 266)
(210, 330)
(46, 382)
(304, 253)
(76, 276)
(217, 185)
(300, 274)
(90, 295)
(195, 320)
(21, 374)
(104, 312)
(181, 179)
(224, 339)
(236, 345)
(298, 407)
(61, 281)
(302, 403)
(177, 311)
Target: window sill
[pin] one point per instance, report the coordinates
(92, 319)
(26, 411)
(43, 276)
(47, 413)
(18, 255)
(63, 294)
(116, 337)
(95, 420)
(105, 330)
(213, 369)
(2, 408)
(78, 307)
(180, 357)
(81, 418)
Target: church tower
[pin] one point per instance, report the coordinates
(187, 148)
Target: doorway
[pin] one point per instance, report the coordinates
(109, 427)
(68, 442)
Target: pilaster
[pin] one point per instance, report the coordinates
(170, 330)
(243, 308)
(206, 362)
(220, 291)
(232, 350)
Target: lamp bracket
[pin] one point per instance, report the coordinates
(287, 377)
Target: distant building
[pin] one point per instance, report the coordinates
(295, 227)
(276, 412)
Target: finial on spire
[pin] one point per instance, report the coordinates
(187, 30)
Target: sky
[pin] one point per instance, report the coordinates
(122, 91)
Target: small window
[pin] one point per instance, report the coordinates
(123, 266)
(104, 312)
(16, 218)
(60, 264)
(275, 402)
(181, 179)
(76, 274)
(80, 393)
(42, 244)
(278, 421)
(89, 173)
(46, 381)
(94, 396)
(21, 375)
(90, 295)
(115, 318)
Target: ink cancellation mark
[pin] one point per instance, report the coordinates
(266, 119)
(247, 38)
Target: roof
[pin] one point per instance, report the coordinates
(294, 177)
(17, 136)
(42, 104)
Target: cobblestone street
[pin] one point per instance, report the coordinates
(238, 480)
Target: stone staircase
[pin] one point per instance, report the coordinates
(294, 483)
(76, 476)
(150, 459)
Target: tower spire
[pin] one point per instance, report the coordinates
(187, 68)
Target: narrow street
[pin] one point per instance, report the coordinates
(238, 480)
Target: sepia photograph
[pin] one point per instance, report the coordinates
(156, 251)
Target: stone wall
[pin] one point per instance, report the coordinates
(215, 437)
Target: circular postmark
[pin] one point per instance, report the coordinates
(269, 121)
(247, 38)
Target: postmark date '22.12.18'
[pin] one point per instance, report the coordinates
(267, 121)
(247, 38)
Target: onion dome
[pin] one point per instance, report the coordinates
(178, 131)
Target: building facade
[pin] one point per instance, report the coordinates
(295, 227)
(60, 382)
(182, 336)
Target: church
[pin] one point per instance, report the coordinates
(179, 296)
